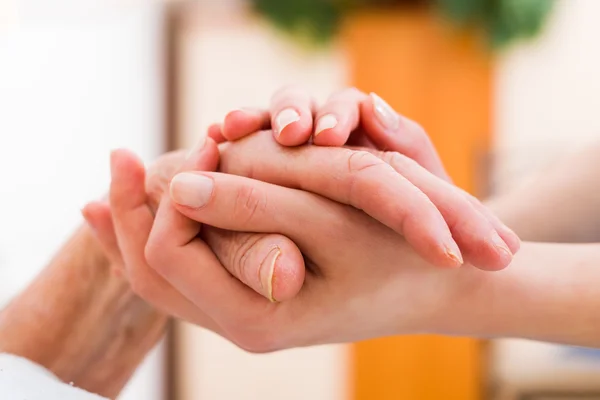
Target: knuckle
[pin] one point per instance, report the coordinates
(289, 93)
(240, 257)
(359, 161)
(398, 161)
(349, 92)
(141, 285)
(250, 203)
(154, 252)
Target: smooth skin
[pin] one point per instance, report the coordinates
(379, 291)
(354, 118)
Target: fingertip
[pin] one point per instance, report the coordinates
(128, 186)
(215, 132)
(492, 255)
(288, 274)
(241, 122)
(95, 210)
(124, 163)
(292, 128)
(203, 158)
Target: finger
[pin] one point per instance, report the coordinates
(215, 132)
(338, 117)
(403, 165)
(271, 264)
(159, 175)
(510, 238)
(176, 253)
(244, 121)
(476, 236)
(133, 221)
(292, 117)
(390, 131)
(359, 179)
(98, 216)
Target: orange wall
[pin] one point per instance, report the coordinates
(441, 79)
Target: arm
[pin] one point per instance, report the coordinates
(80, 321)
(560, 204)
(551, 293)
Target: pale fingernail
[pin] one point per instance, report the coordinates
(267, 271)
(501, 245)
(284, 118)
(197, 147)
(385, 113)
(328, 121)
(453, 253)
(245, 110)
(191, 190)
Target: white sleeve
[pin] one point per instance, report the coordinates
(23, 379)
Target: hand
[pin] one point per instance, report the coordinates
(353, 261)
(352, 117)
(238, 251)
(80, 321)
(348, 117)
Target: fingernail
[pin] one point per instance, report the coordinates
(267, 271)
(284, 118)
(197, 147)
(501, 245)
(191, 190)
(453, 253)
(328, 121)
(385, 113)
(246, 110)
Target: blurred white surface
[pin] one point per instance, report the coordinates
(77, 79)
(546, 104)
(546, 92)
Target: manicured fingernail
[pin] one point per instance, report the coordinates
(501, 245)
(453, 253)
(191, 190)
(197, 147)
(328, 121)
(385, 113)
(284, 118)
(267, 272)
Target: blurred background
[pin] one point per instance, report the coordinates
(502, 86)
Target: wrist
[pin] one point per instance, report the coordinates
(549, 293)
(81, 321)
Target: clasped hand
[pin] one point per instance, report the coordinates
(295, 246)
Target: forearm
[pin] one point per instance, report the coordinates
(81, 321)
(551, 293)
(561, 204)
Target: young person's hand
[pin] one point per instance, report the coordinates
(351, 117)
(338, 242)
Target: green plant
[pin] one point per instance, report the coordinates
(503, 21)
